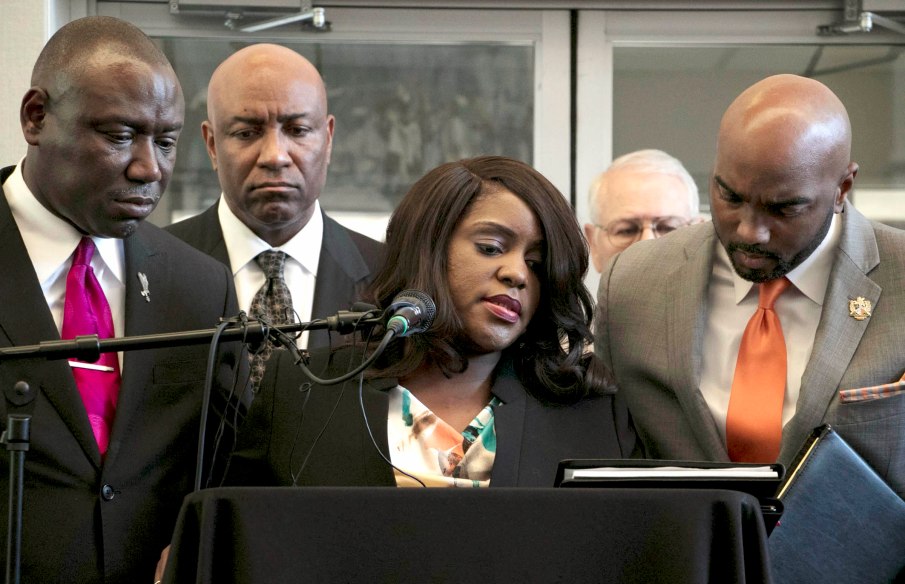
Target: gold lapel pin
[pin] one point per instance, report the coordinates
(859, 308)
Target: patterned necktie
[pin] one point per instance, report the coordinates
(273, 302)
(754, 420)
(86, 312)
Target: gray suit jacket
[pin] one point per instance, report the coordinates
(348, 262)
(652, 307)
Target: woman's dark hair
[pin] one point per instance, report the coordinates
(551, 357)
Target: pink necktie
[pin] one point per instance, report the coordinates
(87, 312)
(754, 420)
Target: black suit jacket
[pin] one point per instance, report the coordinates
(88, 519)
(347, 262)
(302, 434)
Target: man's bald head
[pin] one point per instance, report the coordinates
(783, 167)
(264, 62)
(796, 118)
(269, 137)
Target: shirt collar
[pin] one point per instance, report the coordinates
(243, 245)
(810, 277)
(49, 240)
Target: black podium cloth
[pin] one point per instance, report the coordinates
(315, 534)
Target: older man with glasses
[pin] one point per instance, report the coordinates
(642, 195)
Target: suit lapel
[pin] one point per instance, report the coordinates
(214, 245)
(203, 232)
(340, 268)
(28, 321)
(376, 404)
(686, 320)
(838, 335)
(143, 263)
(509, 426)
(141, 319)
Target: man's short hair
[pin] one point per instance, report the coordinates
(653, 162)
(71, 46)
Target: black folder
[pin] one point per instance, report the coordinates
(841, 522)
(677, 474)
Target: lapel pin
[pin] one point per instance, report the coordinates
(859, 308)
(144, 286)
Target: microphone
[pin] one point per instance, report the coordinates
(411, 311)
(362, 316)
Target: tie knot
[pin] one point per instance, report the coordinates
(271, 263)
(83, 252)
(770, 291)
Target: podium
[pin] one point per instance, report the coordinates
(364, 534)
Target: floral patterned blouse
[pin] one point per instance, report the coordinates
(423, 445)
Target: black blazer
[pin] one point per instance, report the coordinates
(347, 262)
(321, 430)
(88, 520)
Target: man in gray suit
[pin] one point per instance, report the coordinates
(269, 137)
(672, 312)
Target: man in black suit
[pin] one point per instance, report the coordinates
(269, 137)
(101, 121)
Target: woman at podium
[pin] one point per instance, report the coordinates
(496, 391)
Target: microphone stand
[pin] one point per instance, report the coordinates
(89, 348)
(16, 438)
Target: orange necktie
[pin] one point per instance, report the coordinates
(754, 421)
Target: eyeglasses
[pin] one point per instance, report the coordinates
(624, 232)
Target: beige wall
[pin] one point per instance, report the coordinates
(25, 26)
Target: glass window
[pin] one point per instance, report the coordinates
(662, 79)
(401, 109)
(673, 99)
(411, 87)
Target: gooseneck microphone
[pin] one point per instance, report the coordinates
(411, 311)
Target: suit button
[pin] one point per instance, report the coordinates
(107, 493)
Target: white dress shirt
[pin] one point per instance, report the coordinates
(51, 242)
(732, 301)
(303, 253)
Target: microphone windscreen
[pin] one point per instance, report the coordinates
(424, 310)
